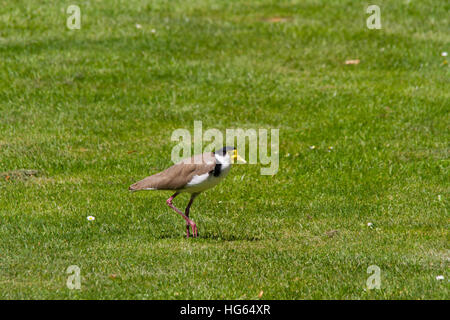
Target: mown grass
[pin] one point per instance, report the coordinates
(93, 110)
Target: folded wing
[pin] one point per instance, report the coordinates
(179, 175)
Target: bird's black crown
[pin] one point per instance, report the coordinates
(224, 150)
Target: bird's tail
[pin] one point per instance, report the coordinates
(137, 187)
(134, 187)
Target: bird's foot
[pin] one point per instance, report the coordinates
(191, 224)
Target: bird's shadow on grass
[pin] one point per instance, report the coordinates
(211, 236)
(229, 237)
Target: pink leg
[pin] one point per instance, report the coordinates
(188, 221)
(186, 212)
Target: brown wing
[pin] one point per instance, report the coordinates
(177, 176)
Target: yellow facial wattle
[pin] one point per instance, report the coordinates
(235, 157)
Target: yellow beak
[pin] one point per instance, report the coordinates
(235, 157)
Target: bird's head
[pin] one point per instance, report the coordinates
(231, 153)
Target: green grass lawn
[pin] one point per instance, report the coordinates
(93, 110)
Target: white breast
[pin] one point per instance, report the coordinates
(206, 181)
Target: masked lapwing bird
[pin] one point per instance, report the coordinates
(193, 175)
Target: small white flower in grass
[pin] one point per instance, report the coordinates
(138, 26)
(312, 147)
(370, 225)
(91, 218)
(153, 31)
(444, 54)
(439, 197)
(440, 277)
